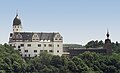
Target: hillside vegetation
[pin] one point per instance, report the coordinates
(10, 60)
(87, 62)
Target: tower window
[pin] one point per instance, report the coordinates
(16, 29)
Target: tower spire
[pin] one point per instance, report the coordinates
(107, 34)
(16, 12)
(17, 22)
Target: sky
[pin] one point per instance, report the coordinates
(78, 21)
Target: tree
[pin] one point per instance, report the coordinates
(56, 61)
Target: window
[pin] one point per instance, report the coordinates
(50, 50)
(39, 45)
(45, 50)
(16, 29)
(57, 51)
(29, 55)
(35, 50)
(10, 44)
(44, 45)
(41, 50)
(22, 45)
(25, 55)
(29, 45)
(19, 49)
(20, 54)
(60, 39)
(58, 45)
(35, 35)
(50, 45)
(14, 46)
(18, 46)
(56, 39)
(26, 50)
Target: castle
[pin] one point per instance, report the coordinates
(31, 44)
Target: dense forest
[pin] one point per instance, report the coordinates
(87, 62)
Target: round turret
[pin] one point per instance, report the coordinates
(17, 26)
(16, 20)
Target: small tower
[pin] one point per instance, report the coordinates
(107, 45)
(17, 27)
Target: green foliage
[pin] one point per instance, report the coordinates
(10, 60)
(87, 62)
(94, 44)
(116, 47)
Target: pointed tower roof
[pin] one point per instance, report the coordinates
(16, 20)
(107, 34)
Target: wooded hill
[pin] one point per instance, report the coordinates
(87, 62)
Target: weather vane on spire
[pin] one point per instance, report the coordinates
(16, 12)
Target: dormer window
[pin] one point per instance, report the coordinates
(58, 37)
(35, 37)
(18, 36)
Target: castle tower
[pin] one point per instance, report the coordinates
(17, 27)
(108, 45)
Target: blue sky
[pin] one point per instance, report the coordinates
(78, 21)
